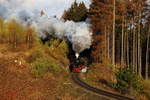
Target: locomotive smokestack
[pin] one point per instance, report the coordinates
(77, 55)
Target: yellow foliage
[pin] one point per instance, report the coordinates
(15, 35)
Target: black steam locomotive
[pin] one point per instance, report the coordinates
(78, 66)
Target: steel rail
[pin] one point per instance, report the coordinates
(77, 80)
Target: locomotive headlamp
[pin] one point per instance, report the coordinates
(77, 55)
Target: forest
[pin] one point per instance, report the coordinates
(120, 45)
(124, 26)
(121, 32)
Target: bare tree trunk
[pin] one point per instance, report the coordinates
(128, 56)
(122, 45)
(147, 55)
(28, 40)
(108, 46)
(1, 28)
(139, 46)
(134, 42)
(113, 39)
(136, 51)
(125, 42)
(14, 41)
(9, 39)
(105, 41)
(135, 47)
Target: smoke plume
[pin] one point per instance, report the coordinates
(79, 34)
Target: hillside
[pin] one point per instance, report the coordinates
(18, 82)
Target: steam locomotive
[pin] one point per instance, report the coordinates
(78, 66)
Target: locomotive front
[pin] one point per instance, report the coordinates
(78, 65)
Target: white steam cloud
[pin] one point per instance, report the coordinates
(79, 34)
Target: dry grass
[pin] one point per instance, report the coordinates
(99, 72)
(146, 88)
(142, 97)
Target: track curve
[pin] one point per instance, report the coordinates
(77, 80)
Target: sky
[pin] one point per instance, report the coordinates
(53, 7)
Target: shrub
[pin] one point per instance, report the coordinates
(43, 65)
(59, 50)
(46, 58)
(126, 79)
(63, 47)
(40, 67)
(35, 54)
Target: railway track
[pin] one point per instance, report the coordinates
(77, 80)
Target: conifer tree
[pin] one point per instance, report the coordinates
(77, 12)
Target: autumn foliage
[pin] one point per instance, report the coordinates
(100, 14)
(15, 35)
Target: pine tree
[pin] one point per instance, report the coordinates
(77, 12)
